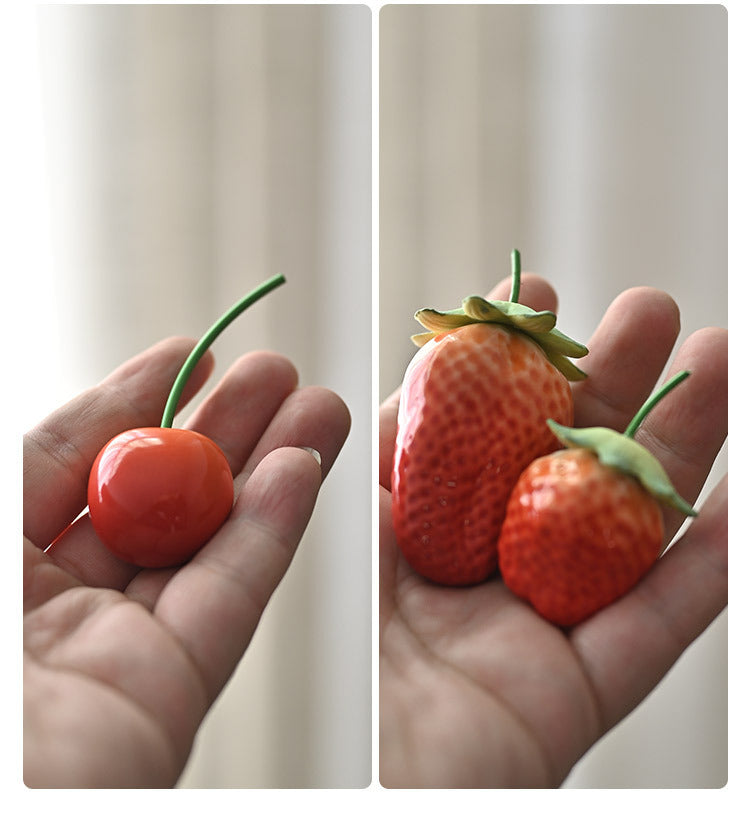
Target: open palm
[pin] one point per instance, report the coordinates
(121, 664)
(476, 689)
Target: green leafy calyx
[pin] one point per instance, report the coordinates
(621, 451)
(539, 326)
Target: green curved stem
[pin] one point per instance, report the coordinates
(515, 270)
(654, 399)
(208, 339)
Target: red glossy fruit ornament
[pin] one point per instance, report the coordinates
(472, 415)
(583, 524)
(157, 494)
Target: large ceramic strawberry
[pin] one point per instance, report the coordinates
(583, 525)
(472, 415)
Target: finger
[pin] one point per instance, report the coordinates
(213, 604)
(629, 646)
(314, 418)
(388, 427)
(626, 356)
(239, 410)
(80, 553)
(535, 292)
(234, 415)
(58, 453)
(42, 579)
(687, 428)
(388, 560)
(310, 417)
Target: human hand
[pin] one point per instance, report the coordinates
(122, 664)
(476, 689)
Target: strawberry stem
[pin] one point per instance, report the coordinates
(515, 270)
(654, 399)
(205, 342)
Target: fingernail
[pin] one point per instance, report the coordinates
(315, 454)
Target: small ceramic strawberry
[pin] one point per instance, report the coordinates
(583, 525)
(472, 415)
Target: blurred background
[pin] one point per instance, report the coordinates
(192, 152)
(593, 138)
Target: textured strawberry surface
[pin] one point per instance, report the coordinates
(577, 535)
(471, 417)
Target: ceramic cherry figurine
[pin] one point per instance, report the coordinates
(157, 494)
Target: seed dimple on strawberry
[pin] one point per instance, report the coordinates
(472, 415)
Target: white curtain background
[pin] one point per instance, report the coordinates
(594, 139)
(193, 151)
